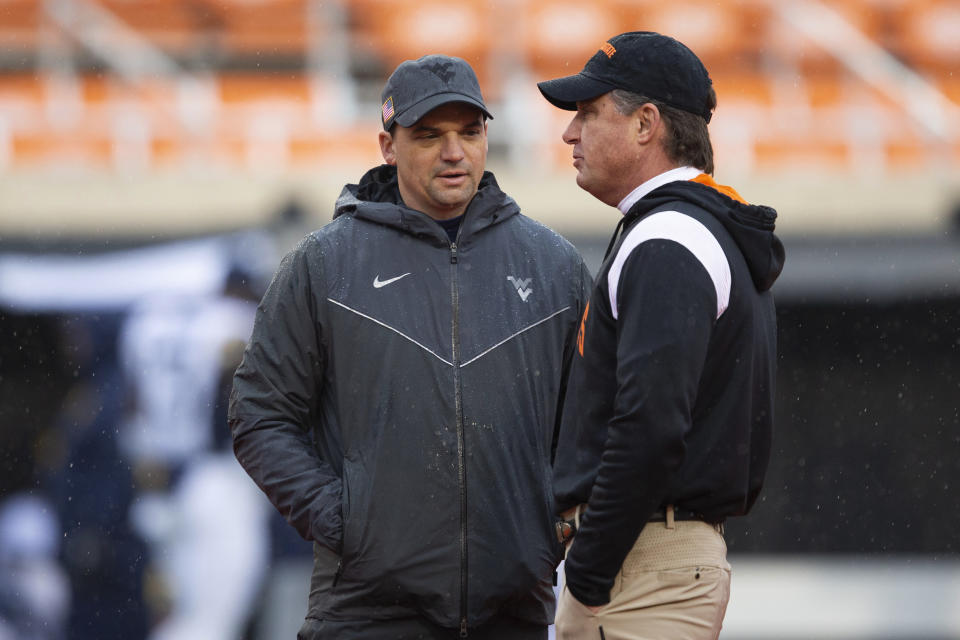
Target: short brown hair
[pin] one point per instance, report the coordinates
(687, 141)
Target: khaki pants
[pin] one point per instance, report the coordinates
(673, 585)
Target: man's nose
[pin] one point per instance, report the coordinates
(452, 149)
(572, 133)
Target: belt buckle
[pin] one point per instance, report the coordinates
(566, 529)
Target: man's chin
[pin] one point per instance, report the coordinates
(592, 189)
(582, 182)
(455, 197)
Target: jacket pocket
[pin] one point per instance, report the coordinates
(326, 565)
(349, 488)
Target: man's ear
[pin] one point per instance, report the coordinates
(648, 122)
(387, 149)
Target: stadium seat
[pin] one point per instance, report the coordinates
(802, 155)
(559, 36)
(353, 146)
(221, 29)
(927, 36)
(79, 149)
(794, 102)
(744, 86)
(21, 88)
(790, 48)
(393, 31)
(250, 88)
(20, 22)
(172, 25)
(264, 27)
(725, 35)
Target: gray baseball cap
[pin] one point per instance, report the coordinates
(416, 87)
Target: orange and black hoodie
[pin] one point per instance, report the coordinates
(670, 397)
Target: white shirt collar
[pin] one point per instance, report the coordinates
(680, 173)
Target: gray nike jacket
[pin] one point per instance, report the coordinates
(398, 403)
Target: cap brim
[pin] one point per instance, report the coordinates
(413, 114)
(567, 92)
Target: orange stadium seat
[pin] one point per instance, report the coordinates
(20, 22)
(271, 27)
(397, 30)
(725, 35)
(231, 27)
(74, 148)
(353, 146)
(903, 154)
(153, 98)
(559, 36)
(789, 47)
(22, 87)
(247, 88)
(825, 91)
(172, 25)
(233, 120)
(949, 85)
(927, 36)
(783, 155)
(742, 86)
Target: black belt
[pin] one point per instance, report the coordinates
(660, 515)
(566, 529)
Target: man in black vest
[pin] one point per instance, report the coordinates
(667, 421)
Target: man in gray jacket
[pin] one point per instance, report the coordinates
(398, 400)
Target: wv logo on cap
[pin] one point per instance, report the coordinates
(608, 49)
(442, 70)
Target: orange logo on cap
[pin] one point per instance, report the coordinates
(608, 49)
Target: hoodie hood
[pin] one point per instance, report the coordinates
(751, 226)
(377, 198)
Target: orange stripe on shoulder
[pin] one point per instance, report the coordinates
(730, 192)
(583, 328)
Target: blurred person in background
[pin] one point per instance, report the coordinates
(34, 588)
(92, 488)
(399, 397)
(205, 522)
(667, 421)
(171, 348)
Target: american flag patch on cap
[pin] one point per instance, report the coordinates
(388, 109)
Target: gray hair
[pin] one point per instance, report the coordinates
(687, 141)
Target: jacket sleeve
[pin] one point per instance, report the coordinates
(274, 402)
(666, 310)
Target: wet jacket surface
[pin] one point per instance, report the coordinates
(398, 403)
(671, 393)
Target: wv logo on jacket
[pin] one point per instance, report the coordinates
(521, 286)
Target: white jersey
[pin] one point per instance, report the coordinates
(171, 352)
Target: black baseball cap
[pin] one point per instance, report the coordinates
(416, 87)
(643, 62)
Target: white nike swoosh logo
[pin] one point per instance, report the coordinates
(377, 282)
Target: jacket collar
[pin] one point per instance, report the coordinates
(750, 226)
(376, 197)
(680, 173)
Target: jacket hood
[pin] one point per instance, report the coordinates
(751, 226)
(377, 198)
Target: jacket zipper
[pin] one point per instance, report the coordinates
(461, 460)
(336, 576)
